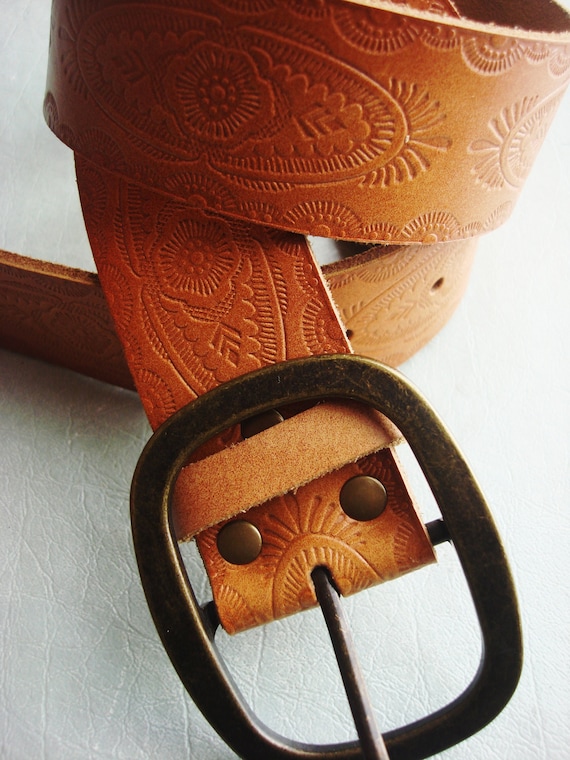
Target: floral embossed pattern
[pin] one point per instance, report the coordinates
(506, 157)
(194, 122)
(284, 112)
(217, 92)
(309, 528)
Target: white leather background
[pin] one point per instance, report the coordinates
(82, 673)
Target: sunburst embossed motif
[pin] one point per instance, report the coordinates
(314, 325)
(516, 136)
(559, 62)
(291, 551)
(200, 191)
(381, 232)
(491, 55)
(422, 117)
(321, 216)
(309, 8)
(155, 394)
(100, 148)
(373, 30)
(434, 227)
(218, 91)
(440, 37)
(194, 256)
(339, 125)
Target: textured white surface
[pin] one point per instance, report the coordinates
(82, 674)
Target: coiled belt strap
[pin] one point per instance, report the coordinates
(209, 134)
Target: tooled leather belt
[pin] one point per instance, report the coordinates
(209, 139)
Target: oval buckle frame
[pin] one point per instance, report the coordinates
(185, 628)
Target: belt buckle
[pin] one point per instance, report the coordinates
(187, 630)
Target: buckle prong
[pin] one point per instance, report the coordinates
(187, 631)
(371, 741)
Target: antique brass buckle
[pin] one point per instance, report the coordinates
(187, 630)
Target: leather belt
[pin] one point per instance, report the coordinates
(209, 139)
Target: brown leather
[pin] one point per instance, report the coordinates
(306, 529)
(194, 125)
(376, 121)
(60, 315)
(231, 481)
(187, 326)
(392, 301)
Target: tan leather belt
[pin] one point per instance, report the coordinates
(210, 138)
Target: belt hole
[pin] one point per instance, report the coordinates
(437, 285)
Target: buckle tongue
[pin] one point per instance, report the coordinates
(187, 631)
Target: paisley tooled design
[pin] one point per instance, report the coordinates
(295, 540)
(158, 400)
(118, 293)
(559, 61)
(390, 319)
(311, 9)
(195, 256)
(123, 72)
(498, 216)
(66, 37)
(200, 191)
(386, 267)
(217, 93)
(374, 30)
(282, 106)
(324, 218)
(517, 133)
(440, 36)
(339, 125)
(491, 55)
(102, 149)
(381, 232)
(423, 118)
(95, 194)
(433, 227)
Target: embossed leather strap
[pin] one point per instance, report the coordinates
(392, 300)
(208, 133)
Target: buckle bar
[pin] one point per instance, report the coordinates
(187, 632)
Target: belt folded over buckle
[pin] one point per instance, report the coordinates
(186, 629)
(210, 136)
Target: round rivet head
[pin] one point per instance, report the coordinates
(239, 542)
(263, 421)
(363, 498)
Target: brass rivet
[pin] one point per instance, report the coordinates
(363, 498)
(263, 421)
(239, 542)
